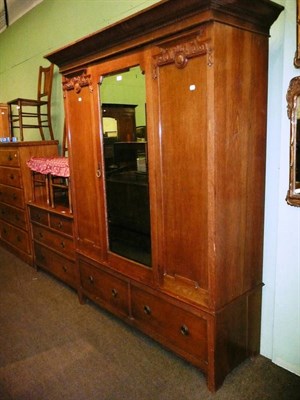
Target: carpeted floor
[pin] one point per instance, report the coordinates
(53, 348)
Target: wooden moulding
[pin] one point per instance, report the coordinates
(147, 26)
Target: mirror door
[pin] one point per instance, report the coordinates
(123, 107)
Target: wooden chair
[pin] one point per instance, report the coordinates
(34, 114)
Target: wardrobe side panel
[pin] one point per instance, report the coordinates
(240, 76)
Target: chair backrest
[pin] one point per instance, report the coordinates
(45, 82)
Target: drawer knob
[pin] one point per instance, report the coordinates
(41, 235)
(184, 330)
(114, 293)
(91, 279)
(147, 310)
(9, 157)
(65, 268)
(12, 177)
(14, 197)
(59, 225)
(62, 244)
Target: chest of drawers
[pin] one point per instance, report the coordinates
(16, 191)
(53, 243)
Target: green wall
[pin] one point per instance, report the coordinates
(51, 25)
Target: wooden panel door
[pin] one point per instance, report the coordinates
(81, 104)
(181, 84)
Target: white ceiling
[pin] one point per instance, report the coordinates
(15, 10)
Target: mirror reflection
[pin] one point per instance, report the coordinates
(123, 108)
(293, 107)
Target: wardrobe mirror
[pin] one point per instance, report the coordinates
(123, 105)
(293, 108)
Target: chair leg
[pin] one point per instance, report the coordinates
(11, 132)
(20, 121)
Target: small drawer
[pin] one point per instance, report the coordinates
(59, 266)
(9, 158)
(104, 287)
(10, 177)
(15, 236)
(13, 215)
(61, 224)
(38, 215)
(182, 329)
(55, 241)
(12, 195)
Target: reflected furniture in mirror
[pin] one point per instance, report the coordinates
(194, 203)
(126, 173)
(293, 111)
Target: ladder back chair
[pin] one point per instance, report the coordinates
(34, 113)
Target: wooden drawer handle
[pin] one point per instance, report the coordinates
(41, 235)
(9, 157)
(59, 225)
(147, 310)
(114, 293)
(62, 244)
(12, 177)
(65, 269)
(14, 197)
(184, 330)
(91, 279)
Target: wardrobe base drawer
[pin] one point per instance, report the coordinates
(182, 330)
(104, 288)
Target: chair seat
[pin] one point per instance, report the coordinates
(27, 102)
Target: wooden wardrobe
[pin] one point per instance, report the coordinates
(200, 221)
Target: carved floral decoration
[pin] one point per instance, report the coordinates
(77, 82)
(180, 54)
